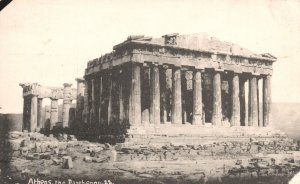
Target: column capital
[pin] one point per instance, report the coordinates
(67, 85)
(80, 80)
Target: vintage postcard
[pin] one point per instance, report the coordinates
(113, 92)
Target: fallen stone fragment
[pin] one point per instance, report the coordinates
(43, 173)
(87, 159)
(56, 161)
(99, 160)
(45, 156)
(67, 162)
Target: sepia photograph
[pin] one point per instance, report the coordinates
(151, 92)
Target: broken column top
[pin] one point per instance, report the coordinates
(79, 79)
(67, 84)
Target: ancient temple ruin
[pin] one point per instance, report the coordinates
(173, 81)
(34, 93)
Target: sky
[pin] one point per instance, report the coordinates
(50, 42)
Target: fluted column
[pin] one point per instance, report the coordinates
(235, 115)
(110, 98)
(33, 113)
(267, 101)
(135, 96)
(26, 114)
(243, 106)
(259, 109)
(217, 100)
(176, 97)
(40, 123)
(92, 102)
(197, 99)
(79, 99)
(53, 112)
(66, 104)
(85, 104)
(154, 95)
(121, 96)
(253, 105)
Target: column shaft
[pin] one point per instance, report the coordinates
(267, 101)
(235, 115)
(66, 104)
(154, 95)
(217, 100)
(253, 105)
(163, 93)
(33, 114)
(121, 98)
(110, 98)
(176, 97)
(25, 114)
(135, 96)
(54, 113)
(243, 106)
(100, 98)
(40, 123)
(79, 101)
(85, 103)
(197, 99)
(259, 110)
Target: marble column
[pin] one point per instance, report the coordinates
(154, 95)
(53, 112)
(85, 104)
(235, 112)
(66, 104)
(26, 115)
(33, 113)
(110, 98)
(47, 117)
(79, 99)
(92, 102)
(40, 123)
(197, 99)
(253, 104)
(176, 97)
(135, 96)
(243, 106)
(121, 97)
(100, 98)
(259, 109)
(163, 93)
(267, 101)
(217, 100)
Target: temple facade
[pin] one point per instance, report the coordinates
(178, 79)
(174, 80)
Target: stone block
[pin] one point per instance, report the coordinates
(67, 162)
(87, 159)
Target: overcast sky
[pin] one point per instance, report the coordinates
(50, 42)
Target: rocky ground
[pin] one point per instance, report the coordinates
(36, 158)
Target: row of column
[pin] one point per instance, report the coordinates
(235, 119)
(33, 107)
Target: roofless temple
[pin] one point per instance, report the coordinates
(176, 80)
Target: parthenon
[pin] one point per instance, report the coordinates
(173, 80)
